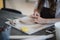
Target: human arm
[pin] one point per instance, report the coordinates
(48, 20)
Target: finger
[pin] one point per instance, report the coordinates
(36, 21)
(32, 16)
(38, 14)
(35, 14)
(37, 17)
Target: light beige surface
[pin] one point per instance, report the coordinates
(21, 5)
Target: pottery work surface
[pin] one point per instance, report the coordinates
(26, 25)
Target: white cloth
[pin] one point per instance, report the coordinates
(46, 4)
(43, 37)
(57, 15)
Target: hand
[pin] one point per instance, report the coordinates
(35, 17)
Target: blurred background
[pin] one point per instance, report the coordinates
(1, 4)
(25, 6)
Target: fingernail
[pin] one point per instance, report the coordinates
(36, 23)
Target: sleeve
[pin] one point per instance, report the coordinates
(57, 15)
